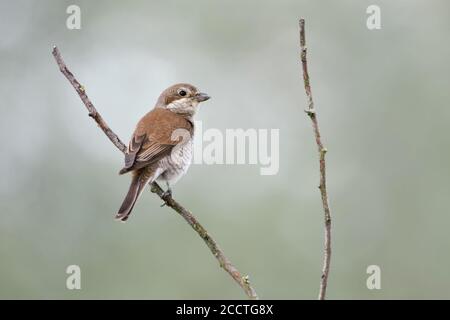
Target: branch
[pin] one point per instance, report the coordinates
(311, 112)
(224, 262)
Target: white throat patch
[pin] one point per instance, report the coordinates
(183, 105)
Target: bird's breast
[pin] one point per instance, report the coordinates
(177, 163)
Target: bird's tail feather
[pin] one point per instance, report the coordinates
(138, 184)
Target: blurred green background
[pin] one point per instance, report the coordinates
(383, 103)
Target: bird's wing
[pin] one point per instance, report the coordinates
(155, 136)
(134, 147)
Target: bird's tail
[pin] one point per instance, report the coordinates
(138, 183)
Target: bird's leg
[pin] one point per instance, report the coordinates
(167, 193)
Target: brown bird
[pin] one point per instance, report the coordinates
(161, 145)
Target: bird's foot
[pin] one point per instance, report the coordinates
(166, 194)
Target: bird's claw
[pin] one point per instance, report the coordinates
(166, 194)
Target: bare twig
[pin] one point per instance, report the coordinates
(224, 262)
(311, 112)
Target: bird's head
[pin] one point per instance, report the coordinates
(181, 98)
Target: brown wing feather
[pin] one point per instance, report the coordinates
(152, 139)
(133, 148)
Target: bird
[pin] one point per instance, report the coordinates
(161, 146)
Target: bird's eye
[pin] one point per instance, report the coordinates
(182, 93)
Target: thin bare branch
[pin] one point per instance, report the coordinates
(224, 262)
(311, 112)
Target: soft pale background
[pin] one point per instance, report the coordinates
(383, 102)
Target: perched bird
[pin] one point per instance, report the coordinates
(161, 145)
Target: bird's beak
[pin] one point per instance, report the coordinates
(200, 97)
